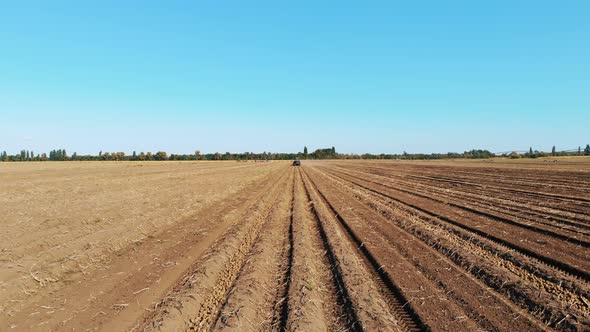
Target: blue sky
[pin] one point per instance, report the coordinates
(387, 76)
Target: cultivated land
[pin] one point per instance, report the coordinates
(330, 245)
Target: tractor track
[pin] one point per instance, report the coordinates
(398, 303)
(194, 303)
(316, 301)
(284, 305)
(258, 296)
(351, 318)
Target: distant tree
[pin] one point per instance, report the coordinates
(305, 152)
(4, 156)
(100, 153)
(134, 156)
(149, 156)
(475, 154)
(530, 154)
(197, 154)
(74, 156)
(579, 150)
(142, 156)
(216, 156)
(333, 150)
(587, 150)
(553, 152)
(161, 155)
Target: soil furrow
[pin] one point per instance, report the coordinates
(495, 203)
(465, 224)
(558, 208)
(116, 290)
(448, 241)
(573, 210)
(194, 303)
(350, 319)
(313, 292)
(397, 302)
(284, 318)
(334, 245)
(489, 215)
(257, 295)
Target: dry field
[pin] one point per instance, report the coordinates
(329, 246)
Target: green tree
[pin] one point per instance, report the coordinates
(587, 150)
(198, 154)
(4, 156)
(305, 152)
(553, 152)
(161, 155)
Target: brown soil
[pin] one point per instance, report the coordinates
(329, 246)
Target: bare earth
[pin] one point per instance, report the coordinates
(328, 246)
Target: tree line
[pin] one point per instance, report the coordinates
(554, 153)
(327, 153)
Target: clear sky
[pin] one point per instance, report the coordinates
(364, 76)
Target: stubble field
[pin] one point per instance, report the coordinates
(328, 246)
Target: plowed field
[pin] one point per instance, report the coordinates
(328, 246)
